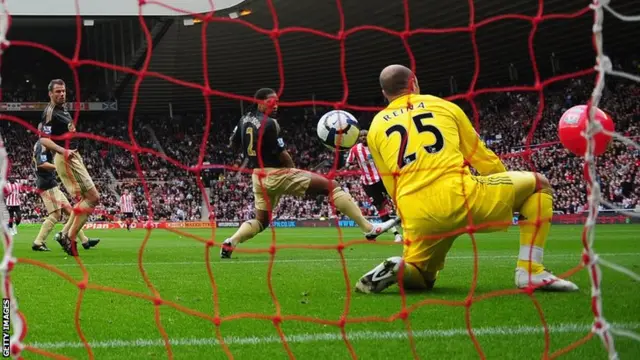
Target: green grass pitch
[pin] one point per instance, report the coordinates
(311, 283)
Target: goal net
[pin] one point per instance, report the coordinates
(517, 120)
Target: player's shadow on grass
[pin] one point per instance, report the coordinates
(437, 291)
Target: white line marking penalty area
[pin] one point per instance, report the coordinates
(336, 260)
(332, 336)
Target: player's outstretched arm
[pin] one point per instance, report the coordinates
(234, 139)
(244, 164)
(50, 145)
(474, 150)
(349, 160)
(47, 166)
(41, 163)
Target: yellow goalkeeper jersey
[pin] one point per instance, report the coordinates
(426, 142)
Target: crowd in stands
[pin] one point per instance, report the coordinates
(505, 121)
(29, 92)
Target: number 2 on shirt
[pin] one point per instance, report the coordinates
(250, 150)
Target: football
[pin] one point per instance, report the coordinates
(338, 129)
(572, 125)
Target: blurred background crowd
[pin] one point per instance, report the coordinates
(160, 181)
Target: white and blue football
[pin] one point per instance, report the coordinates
(338, 129)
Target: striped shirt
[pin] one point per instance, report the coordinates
(361, 154)
(12, 193)
(126, 203)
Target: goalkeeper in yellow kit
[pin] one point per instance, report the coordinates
(421, 145)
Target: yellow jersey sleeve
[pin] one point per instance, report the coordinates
(375, 139)
(473, 149)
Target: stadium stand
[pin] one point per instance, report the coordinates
(505, 118)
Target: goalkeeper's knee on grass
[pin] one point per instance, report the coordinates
(392, 271)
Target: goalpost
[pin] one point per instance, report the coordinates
(602, 70)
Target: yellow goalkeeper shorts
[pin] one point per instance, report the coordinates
(435, 216)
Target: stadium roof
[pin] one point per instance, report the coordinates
(241, 59)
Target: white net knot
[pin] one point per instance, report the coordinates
(600, 326)
(587, 157)
(592, 257)
(595, 128)
(604, 62)
(7, 264)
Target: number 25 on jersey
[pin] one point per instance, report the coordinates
(418, 120)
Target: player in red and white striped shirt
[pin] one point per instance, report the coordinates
(371, 180)
(126, 207)
(13, 202)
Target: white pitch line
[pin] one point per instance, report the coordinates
(332, 336)
(575, 256)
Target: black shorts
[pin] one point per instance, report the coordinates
(378, 193)
(13, 210)
(128, 215)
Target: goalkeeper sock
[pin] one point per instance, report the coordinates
(346, 205)
(246, 231)
(538, 208)
(45, 229)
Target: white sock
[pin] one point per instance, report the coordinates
(536, 254)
